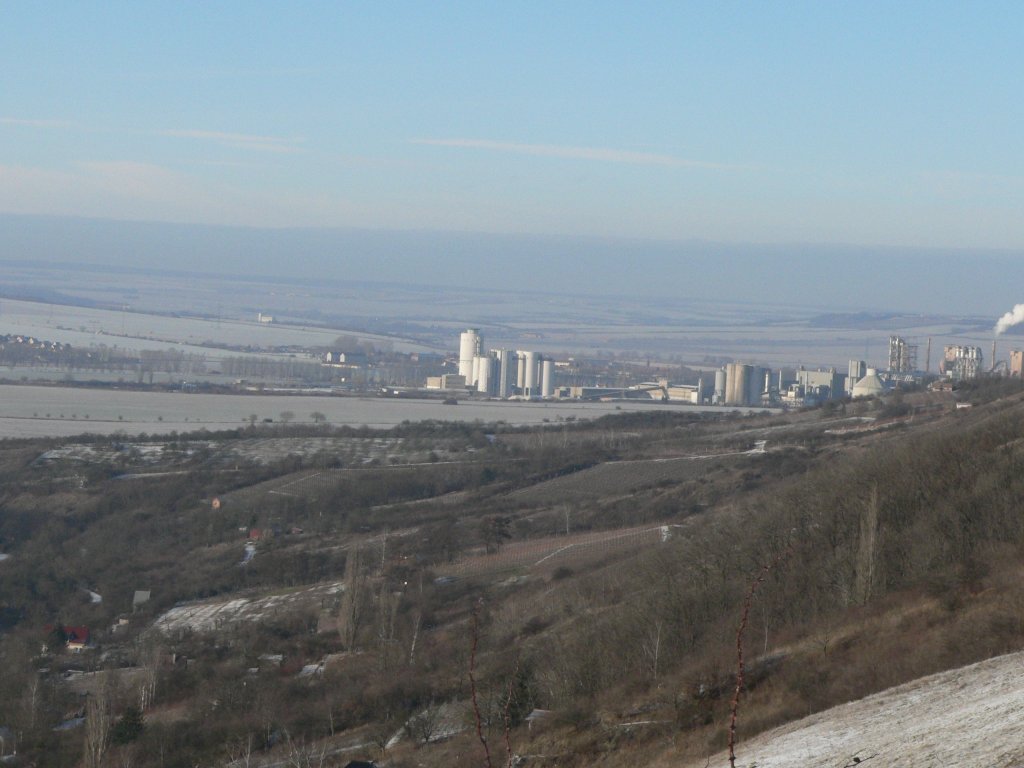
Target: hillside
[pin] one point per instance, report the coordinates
(970, 717)
(314, 595)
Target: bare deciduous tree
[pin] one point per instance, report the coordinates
(97, 724)
(350, 611)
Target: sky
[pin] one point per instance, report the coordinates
(866, 124)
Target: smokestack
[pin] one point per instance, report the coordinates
(993, 364)
(928, 357)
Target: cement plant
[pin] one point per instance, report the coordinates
(517, 374)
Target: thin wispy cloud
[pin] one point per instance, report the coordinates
(601, 154)
(27, 123)
(208, 73)
(248, 141)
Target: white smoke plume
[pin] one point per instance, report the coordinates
(1010, 319)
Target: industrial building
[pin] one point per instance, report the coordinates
(820, 384)
(1017, 363)
(871, 385)
(902, 357)
(504, 372)
(961, 362)
(447, 381)
(856, 370)
(528, 374)
(746, 384)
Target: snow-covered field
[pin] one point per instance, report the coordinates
(972, 717)
(86, 326)
(33, 411)
(208, 616)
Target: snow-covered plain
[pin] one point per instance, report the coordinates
(972, 717)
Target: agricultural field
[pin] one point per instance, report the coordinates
(134, 328)
(31, 411)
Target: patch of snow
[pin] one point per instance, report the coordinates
(971, 717)
(250, 553)
(208, 616)
(309, 670)
(67, 725)
(437, 722)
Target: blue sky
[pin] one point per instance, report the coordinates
(858, 123)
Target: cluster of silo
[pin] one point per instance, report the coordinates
(741, 384)
(536, 375)
(504, 372)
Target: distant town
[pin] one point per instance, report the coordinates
(529, 375)
(355, 366)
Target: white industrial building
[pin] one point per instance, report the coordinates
(870, 385)
(504, 372)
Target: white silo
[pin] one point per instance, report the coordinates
(470, 345)
(485, 379)
(506, 371)
(718, 396)
(520, 371)
(530, 374)
(547, 378)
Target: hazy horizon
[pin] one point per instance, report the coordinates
(841, 277)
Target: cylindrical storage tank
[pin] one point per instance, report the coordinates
(521, 371)
(757, 384)
(732, 377)
(530, 375)
(484, 374)
(718, 397)
(469, 347)
(737, 383)
(547, 378)
(506, 372)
